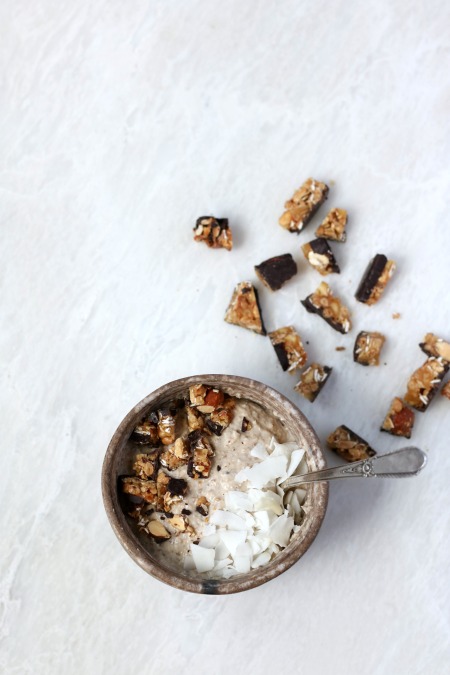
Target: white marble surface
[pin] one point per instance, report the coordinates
(120, 124)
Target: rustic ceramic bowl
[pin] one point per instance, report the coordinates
(297, 427)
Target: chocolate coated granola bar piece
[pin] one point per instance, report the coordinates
(274, 272)
(312, 381)
(445, 391)
(329, 307)
(202, 506)
(435, 346)
(175, 455)
(349, 445)
(146, 465)
(289, 348)
(215, 232)
(144, 489)
(320, 256)
(399, 420)
(146, 432)
(367, 348)
(220, 419)
(375, 278)
(195, 419)
(199, 466)
(170, 491)
(303, 205)
(166, 426)
(333, 226)
(244, 309)
(424, 383)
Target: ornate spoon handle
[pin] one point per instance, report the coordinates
(398, 464)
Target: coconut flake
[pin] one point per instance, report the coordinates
(203, 558)
(280, 530)
(267, 471)
(232, 539)
(242, 558)
(261, 559)
(228, 519)
(236, 500)
(210, 541)
(259, 451)
(266, 500)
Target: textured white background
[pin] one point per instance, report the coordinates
(121, 122)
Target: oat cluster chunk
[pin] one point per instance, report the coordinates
(436, 346)
(399, 420)
(375, 279)
(244, 309)
(215, 232)
(348, 445)
(320, 256)
(303, 205)
(333, 226)
(424, 383)
(367, 349)
(329, 307)
(289, 348)
(312, 381)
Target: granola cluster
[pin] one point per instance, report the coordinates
(399, 420)
(348, 445)
(302, 206)
(333, 226)
(312, 381)
(367, 348)
(244, 309)
(215, 232)
(424, 383)
(329, 307)
(289, 348)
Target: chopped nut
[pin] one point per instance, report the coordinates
(157, 530)
(320, 256)
(176, 455)
(145, 489)
(146, 465)
(215, 232)
(424, 382)
(367, 348)
(312, 381)
(246, 425)
(329, 308)
(197, 394)
(375, 279)
(435, 346)
(181, 523)
(199, 465)
(400, 419)
(333, 226)
(146, 432)
(289, 348)
(349, 445)
(202, 506)
(445, 391)
(303, 205)
(276, 271)
(166, 426)
(244, 309)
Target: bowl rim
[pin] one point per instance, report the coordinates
(141, 556)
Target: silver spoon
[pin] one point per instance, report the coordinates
(398, 464)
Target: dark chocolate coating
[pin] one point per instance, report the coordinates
(274, 272)
(322, 247)
(355, 356)
(310, 307)
(217, 429)
(327, 370)
(282, 355)
(177, 486)
(370, 278)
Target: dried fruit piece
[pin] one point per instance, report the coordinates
(320, 256)
(244, 309)
(289, 348)
(202, 506)
(146, 465)
(399, 420)
(215, 232)
(157, 530)
(329, 307)
(349, 445)
(374, 280)
(146, 432)
(424, 383)
(199, 465)
(175, 455)
(138, 487)
(274, 272)
(435, 346)
(303, 205)
(367, 348)
(166, 426)
(333, 226)
(246, 425)
(445, 391)
(312, 381)
(170, 491)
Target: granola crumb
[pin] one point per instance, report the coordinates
(396, 315)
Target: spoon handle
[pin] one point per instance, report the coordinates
(398, 464)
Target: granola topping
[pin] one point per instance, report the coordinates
(329, 307)
(348, 445)
(368, 347)
(333, 226)
(312, 380)
(399, 420)
(303, 205)
(435, 346)
(215, 232)
(424, 382)
(244, 309)
(289, 348)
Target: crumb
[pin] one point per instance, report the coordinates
(219, 468)
(340, 349)
(396, 315)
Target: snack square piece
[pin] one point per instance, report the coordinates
(170, 491)
(303, 205)
(375, 278)
(137, 487)
(289, 348)
(424, 383)
(199, 465)
(166, 426)
(175, 455)
(349, 445)
(329, 307)
(146, 465)
(146, 432)
(215, 232)
(367, 348)
(333, 226)
(435, 346)
(400, 419)
(445, 391)
(274, 272)
(244, 309)
(320, 256)
(312, 381)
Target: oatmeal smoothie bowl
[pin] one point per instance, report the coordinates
(192, 484)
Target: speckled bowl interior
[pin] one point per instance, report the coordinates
(297, 427)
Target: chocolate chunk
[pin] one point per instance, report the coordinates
(435, 346)
(320, 256)
(349, 445)
(374, 280)
(333, 226)
(303, 205)
(288, 348)
(244, 309)
(329, 308)
(274, 272)
(246, 425)
(186, 512)
(424, 383)
(215, 232)
(367, 348)
(312, 381)
(399, 420)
